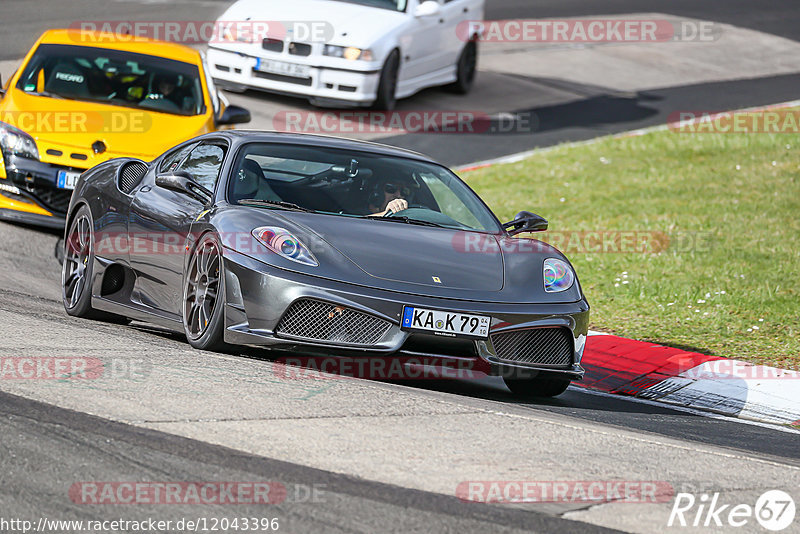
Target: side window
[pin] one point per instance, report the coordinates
(173, 159)
(204, 163)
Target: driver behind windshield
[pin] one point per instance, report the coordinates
(163, 95)
(390, 196)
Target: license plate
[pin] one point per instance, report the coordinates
(281, 67)
(67, 180)
(443, 323)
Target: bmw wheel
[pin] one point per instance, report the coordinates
(466, 68)
(387, 86)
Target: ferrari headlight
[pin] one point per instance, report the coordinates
(347, 52)
(283, 243)
(16, 142)
(558, 275)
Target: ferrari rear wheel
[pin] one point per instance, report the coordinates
(204, 296)
(539, 386)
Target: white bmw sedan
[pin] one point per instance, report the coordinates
(351, 52)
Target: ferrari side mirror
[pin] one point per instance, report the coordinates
(183, 182)
(526, 221)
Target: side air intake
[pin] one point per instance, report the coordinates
(130, 174)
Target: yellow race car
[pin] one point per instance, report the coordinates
(80, 98)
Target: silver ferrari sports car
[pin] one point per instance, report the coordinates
(322, 246)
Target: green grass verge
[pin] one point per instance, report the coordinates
(728, 281)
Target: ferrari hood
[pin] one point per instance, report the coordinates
(405, 258)
(419, 255)
(351, 24)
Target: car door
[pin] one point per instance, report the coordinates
(454, 13)
(159, 225)
(420, 47)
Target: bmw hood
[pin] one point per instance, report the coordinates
(346, 23)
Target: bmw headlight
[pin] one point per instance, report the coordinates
(347, 52)
(558, 275)
(283, 243)
(16, 142)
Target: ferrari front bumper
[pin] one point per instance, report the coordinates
(259, 296)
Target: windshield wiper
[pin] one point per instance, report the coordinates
(276, 203)
(407, 220)
(48, 94)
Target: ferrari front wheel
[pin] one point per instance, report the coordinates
(77, 270)
(204, 296)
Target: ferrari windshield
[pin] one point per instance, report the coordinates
(355, 184)
(114, 77)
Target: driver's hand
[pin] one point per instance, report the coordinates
(396, 205)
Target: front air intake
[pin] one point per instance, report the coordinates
(314, 320)
(540, 346)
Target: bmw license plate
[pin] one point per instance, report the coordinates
(67, 180)
(282, 67)
(443, 323)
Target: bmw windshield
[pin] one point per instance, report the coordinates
(394, 5)
(355, 184)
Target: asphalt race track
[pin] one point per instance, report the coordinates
(381, 456)
(291, 430)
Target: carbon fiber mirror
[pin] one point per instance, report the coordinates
(183, 182)
(526, 221)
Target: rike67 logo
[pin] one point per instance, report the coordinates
(774, 510)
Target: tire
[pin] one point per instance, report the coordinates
(77, 269)
(387, 86)
(466, 69)
(537, 387)
(203, 304)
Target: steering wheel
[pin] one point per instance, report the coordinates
(410, 207)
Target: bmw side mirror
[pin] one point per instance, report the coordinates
(428, 8)
(182, 182)
(234, 115)
(526, 221)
